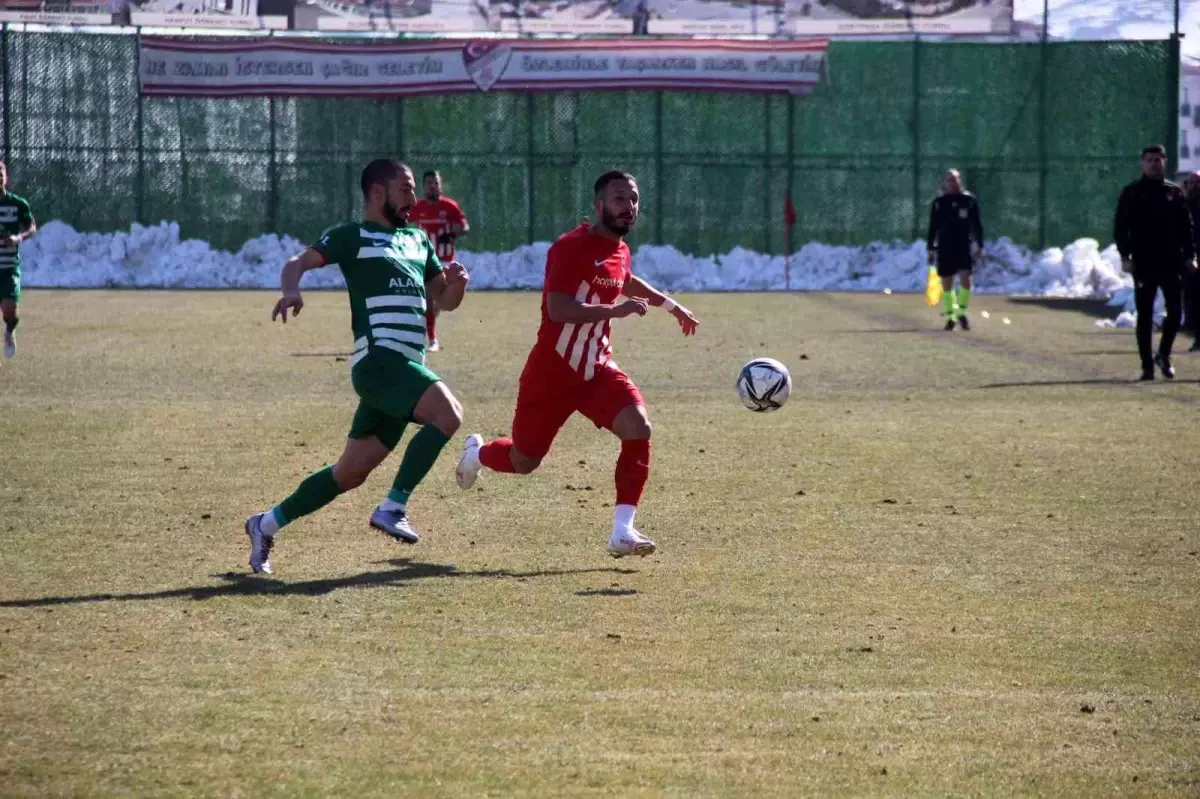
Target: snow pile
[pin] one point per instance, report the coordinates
(156, 257)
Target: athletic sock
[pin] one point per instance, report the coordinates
(633, 470)
(431, 323)
(496, 456)
(315, 492)
(948, 304)
(419, 457)
(11, 326)
(964, 299)
(623, 518)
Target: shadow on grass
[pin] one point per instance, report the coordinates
(237, 584)
(1098, 381)
(1099, 309)
(607, 592)
(321, 354)
(884, 330)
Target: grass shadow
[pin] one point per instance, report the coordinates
(239, 584)
(607, 592)
(1098, 309)
(1096, 381)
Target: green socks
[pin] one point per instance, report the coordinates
(315, 492)
(964, 299)
(948, 304)
(419, 457)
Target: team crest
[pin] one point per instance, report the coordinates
(485, 62)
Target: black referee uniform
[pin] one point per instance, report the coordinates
(954, 220)
(1154, 229)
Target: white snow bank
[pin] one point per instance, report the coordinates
(156, 257)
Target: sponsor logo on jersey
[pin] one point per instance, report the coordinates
(608, 282)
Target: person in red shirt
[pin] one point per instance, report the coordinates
(443, 219)
(570, 368)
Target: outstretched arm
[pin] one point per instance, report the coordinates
(636, 287)
(563, 307)
(289, 282)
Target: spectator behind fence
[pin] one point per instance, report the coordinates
(1153, 231)
(1191, 291)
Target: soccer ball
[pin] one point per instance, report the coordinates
(764, 384)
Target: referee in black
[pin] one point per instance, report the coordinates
(954, 243)
(1191, 292)
(1153, 231)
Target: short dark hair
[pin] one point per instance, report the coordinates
(380, 171)
(432, 173)
(608, 177)
(1154, 148)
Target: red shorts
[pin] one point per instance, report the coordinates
(550, 391)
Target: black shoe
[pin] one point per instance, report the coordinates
(1147, 374)
(949, 325)
(962, 321)
(1164, 363)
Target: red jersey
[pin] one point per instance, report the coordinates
(593, 269)
(435, 218)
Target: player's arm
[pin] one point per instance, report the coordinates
(563, 307)
(461, 226)
(289, 282)
(26, 223)
(636, 287)
(931, 238)
(1122, 228)
(977, 226)
(448, 287)
(1185, 230)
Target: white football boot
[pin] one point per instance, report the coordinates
(630, 542)
(468, 468)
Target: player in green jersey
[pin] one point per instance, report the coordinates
(16, 225)
(392, 271)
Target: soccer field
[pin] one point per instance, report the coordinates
(954, 563)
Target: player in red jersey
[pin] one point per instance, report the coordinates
(588, 282)
(444, 221)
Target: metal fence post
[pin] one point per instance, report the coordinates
(791, 164)
(272, 172)
(7, 91)
(400, 128)
(916, 137)
(768, 198)
(139, 202)
(659, 189)
(530, 173)
(1043, 133)
(1173, 56)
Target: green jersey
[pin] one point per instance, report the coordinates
(15, 218)
(386, 270)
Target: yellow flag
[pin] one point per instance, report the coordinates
(933, 288)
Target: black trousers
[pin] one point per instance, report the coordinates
(1146, 288)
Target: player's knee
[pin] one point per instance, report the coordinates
(348, 479)
(450, 418)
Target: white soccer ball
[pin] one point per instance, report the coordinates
(764, 384)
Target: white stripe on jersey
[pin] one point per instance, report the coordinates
(590, 370)
(398, 335)
(568, 330)
(404, 349)
(397, 318)
(378, 252)
(358, 356)
(408, 300)
(584, 333)
(371, 234)
(359, 343)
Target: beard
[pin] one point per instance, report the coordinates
(615, 223)
(394, 215)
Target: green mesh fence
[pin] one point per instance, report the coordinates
(1045, 135)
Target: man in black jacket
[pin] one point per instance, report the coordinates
(1191, 293)
(954, 243)
(1153, 231)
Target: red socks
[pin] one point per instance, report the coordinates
(633, 470)
(431, 323)
(495, 455)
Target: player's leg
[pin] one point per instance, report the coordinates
(949, 311)
(372, 436)
(440, 414)
(1192, 308)
(431, 314)
(543, 407)
(613, 402)
(1172, 290)
(10, 295)
(1144, 292)
(963, 298)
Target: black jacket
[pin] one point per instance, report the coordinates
(953, 221)
(1194, 207)
(1153, 227)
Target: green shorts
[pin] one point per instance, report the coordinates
(388, 387)
(10, 284)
